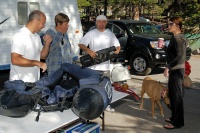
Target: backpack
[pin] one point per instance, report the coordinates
(50, 93)
(59, 88)
(55, 92)
(18, 99)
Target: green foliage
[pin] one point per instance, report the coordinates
(191, 13)
(189, 9)
(83, 3)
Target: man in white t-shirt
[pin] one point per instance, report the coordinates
(97, 39)
(27, 50)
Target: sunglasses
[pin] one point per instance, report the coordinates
(171, 24)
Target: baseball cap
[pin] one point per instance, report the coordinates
(101, 17)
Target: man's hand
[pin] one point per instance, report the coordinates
(43, 66)
(47, 39)
(45, 50)
(117, 50)
(91, 53)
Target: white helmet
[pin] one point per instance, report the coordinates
(119, 73)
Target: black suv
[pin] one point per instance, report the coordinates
(139, 42)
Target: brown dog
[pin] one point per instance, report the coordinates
(187, 82)
(155, 90)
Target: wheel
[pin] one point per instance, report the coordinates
(140, 65)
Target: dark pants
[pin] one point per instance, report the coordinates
(175, 85)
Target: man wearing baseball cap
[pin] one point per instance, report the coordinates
(98, 39)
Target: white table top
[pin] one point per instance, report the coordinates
(48, 121)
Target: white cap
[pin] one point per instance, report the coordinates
(101, 17)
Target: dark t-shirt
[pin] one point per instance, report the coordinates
(176, 52)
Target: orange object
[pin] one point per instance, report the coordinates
(125, 86)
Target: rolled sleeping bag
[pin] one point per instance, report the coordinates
(91, 100)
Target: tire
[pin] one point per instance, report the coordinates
(140, 65)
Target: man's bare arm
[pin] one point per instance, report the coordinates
(17, 59)
(45, 50)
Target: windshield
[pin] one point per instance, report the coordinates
(142, 28)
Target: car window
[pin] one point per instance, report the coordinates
(116, 30)
(136, 29)
(149, 29)
(120, 25)
(143, 29)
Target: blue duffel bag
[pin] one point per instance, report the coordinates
(18, 99)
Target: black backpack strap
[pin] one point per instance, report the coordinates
(38, 114)
(38, 110)
(62, 107)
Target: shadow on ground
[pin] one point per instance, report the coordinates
(139, 120)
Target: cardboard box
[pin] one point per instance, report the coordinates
(90, 127)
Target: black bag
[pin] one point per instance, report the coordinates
(102, 56)
(59, 88)
(59, 98)
(17, 99)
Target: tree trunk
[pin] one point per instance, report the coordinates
(135, 12)
(130, 10)
(141, 10)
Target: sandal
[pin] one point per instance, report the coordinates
(169, 126)
(168, 120)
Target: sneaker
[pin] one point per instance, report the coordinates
(110, 109)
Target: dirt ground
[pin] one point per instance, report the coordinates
(128, 118)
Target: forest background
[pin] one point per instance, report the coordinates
(156, 10)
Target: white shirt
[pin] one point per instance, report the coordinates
(100, 40)
(29, 46)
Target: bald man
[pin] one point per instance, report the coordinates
(27, 49)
